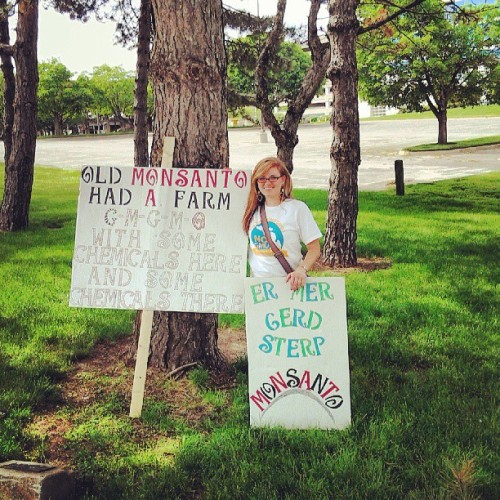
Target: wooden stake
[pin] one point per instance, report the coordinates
(167, 156)
(141, 364)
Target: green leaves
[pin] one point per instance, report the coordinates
(285, 71)
(114, 88)
(64, 99)
(432, 53)
(61, 98)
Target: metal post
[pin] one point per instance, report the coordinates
(400, 178)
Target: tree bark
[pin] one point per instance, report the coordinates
(58, 125)
(141, 150)
(188, 72)
(285, 144)
(188, 65)
(9, 82)
(442, 117)
(340, 236)
(19, 168)
(141, 147)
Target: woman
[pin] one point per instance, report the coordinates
(290, 224)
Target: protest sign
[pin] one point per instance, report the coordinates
(165, 239)
(297, 353)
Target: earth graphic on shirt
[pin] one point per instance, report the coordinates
(258, 237)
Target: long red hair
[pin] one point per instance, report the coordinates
(253, 198)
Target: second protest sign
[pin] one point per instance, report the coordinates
(297, 353)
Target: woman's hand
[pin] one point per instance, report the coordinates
(297, 279)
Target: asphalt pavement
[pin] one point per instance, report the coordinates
(381, 144)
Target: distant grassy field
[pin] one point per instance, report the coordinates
(423, 342)
(469, 112)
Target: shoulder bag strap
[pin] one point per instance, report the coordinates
(277, 252)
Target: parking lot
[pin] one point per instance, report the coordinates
(381, 144)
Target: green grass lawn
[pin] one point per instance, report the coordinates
(468, 143)
(423, 343)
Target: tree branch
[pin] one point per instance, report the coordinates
(313, 39)
(176, 372)
(428, 99)
(431, 89)
(240, 19)
(385, 20)
(269, 50)
(6, 49)
(241, 99)
(320, 55)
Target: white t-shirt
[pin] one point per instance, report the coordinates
(289, 224)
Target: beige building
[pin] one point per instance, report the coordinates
(322, 105)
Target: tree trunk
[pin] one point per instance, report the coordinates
(188, 71)
(58, 125)
(19, 168)
(340, 236)
(141, 149)
(9, 82)
(285, 136)
(442, 117)
(285, 144)
(141, 153)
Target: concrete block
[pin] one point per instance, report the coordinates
(33, 481)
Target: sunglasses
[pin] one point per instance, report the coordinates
(272, 179)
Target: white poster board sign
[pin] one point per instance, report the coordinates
(166, 239)
(298, 353)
